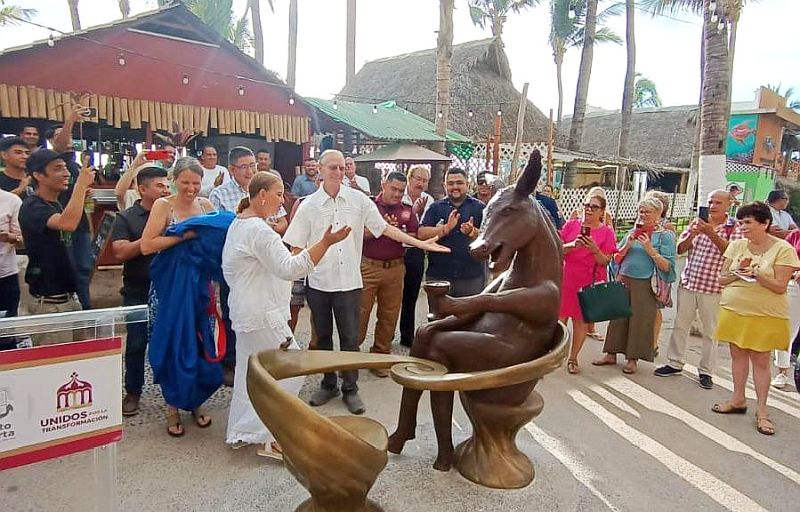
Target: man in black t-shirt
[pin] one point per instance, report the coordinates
(47, 229)
(60, 137)
(126, 232)
(15, 152)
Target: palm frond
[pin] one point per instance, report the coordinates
(611, 11)
(660, 7)
(478, 15)
(13, 15)
(606, 35)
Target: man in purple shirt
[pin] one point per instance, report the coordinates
(383, 268)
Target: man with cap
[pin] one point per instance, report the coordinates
(47, 228)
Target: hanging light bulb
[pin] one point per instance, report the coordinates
(185, 79)
(714, 18)
(335, 105)
(51, 41)
(374, 109)
(470, 113)
(440, 114)
(291, 99)
(500, 110)
(121, 59)
(712, 6)
(241, 90)
(720, 26)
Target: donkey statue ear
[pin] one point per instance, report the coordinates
(530, 176)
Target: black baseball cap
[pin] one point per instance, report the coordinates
(41, 157)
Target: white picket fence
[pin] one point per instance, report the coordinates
(571, 199)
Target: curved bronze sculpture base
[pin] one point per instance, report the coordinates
(491, 457)
(311, 506)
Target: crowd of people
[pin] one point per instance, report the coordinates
(740, 279)
(325, 241)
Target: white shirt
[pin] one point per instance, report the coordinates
(209, 175)
(361, 181)
(340, 268)
(259, 270)
(781, 218)
(9, 223)
(407, 200)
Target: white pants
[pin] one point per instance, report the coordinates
(707, 305)
(793, 295)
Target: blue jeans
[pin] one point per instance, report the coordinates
(230, 353)
(82, 261)
(135, 346)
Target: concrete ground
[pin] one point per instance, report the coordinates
(605, 441)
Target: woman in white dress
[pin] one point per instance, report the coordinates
(259, 270)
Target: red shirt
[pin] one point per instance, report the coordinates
(400, 216)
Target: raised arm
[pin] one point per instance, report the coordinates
(126, 180)
(69, 219)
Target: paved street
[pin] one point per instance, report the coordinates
(605, 441)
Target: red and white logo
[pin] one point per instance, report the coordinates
(75, 394)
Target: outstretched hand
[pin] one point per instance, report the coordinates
(334, 237)
(431, 245)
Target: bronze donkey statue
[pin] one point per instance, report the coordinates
(513, 321)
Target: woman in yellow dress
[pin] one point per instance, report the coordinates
(754, 312)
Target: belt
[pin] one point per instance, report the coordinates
(384, 263)
(53, 299)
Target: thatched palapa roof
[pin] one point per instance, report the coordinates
(481, 77)
(663, 135)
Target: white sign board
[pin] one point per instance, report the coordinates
(59, 399)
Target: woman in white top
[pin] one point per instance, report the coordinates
(259, 270)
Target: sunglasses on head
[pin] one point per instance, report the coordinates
(481, 182)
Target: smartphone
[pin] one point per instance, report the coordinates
(89, 112)
(586, 231)
(157, 154)
(702, 213)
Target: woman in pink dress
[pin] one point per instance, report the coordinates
(588, 246)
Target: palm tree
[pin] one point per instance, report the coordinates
(444, 54)
(73, 14)
(218, 14)
(258, 32)
(125, 8)
(291, 65)
(645, 93)
(584, 74)
(791, 103)
(495, 12)
(12, 15)
(566, 31)
(623, 145)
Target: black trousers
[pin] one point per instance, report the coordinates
(230, 353)
(415, 268)
(9, 302)
(346, 307)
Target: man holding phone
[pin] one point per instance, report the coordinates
(699, 290)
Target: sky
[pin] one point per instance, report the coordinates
(668, 49)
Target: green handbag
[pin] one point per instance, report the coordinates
(604, 301)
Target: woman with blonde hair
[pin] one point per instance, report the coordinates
(645, 250)
(663, 197)
(259, 270)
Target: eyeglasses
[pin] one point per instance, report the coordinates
(593, 207)
(252, 166)
(481, 182)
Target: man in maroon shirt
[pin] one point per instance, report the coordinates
(382, 266)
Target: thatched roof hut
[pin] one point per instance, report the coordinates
(481, 81)
(663, 135)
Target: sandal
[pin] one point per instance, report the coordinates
(572, 367)
(174, 425)
(764, 425)
(728, 408)
(596, 336)
(274, 451)
(604, 362)
(202, 419)
(629, 369)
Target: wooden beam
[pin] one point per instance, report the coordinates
(5, 109)
(520, 127)
(24, 107)
(13, 101)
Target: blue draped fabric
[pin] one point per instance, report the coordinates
(180, 277)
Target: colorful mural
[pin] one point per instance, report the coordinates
(742, 137)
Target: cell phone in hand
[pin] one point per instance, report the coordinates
(157, 154)
(89, 112)
(586, 231)
(702, 213)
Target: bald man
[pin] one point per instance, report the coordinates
(699, 290)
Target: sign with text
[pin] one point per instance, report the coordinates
(57, 400)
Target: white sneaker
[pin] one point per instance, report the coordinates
(780, 381)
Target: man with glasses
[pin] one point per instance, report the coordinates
(699, 289)
(782, 222)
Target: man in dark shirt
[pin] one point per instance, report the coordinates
(15, 153)
(60, 137)
(47, 229)
(456, 220)
(551, 207)
(126, 232)
(383, 266)
(30, 134)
